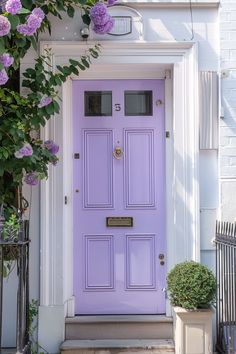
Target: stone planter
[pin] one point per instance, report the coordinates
(193, 331)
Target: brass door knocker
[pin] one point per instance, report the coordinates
(118, 153)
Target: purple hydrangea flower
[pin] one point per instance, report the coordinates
(99, 14)
(51, 146)
(26, 150)
(6, 59)
(33, 23)
(111, 2)
(31, 179)
(104, 28)
(5, 26)
(38, 13)
(3, 77)
(13, 6)
(45, 101)
(25, 30)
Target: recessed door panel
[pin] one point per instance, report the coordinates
(140, 262)
(139, 168)
(119, 197)
(98, 168)
(99, 262)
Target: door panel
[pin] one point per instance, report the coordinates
(139, 168)
(98, 168)
(119, 136)
(99, 262)
(140, 262)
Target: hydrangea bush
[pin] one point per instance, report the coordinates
(24, 156)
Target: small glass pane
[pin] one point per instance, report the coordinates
(98, 103)
(138, 103)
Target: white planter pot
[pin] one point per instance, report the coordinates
(193, 331)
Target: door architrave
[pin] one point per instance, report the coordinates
(177, 62)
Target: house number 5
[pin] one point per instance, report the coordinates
(117, 107)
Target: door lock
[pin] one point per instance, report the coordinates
(161, 257)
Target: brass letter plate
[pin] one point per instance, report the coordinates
(119, 221)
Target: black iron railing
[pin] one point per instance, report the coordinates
(15, 247)
(226, 292)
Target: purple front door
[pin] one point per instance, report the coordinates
(119, 197)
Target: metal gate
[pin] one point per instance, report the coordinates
(226, 292)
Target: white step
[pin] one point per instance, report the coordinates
(119, 327)
(124, 346)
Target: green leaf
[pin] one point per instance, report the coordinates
(5, 154)
(58, 81)
(52, 81)
(24, 11)
(60, 6)
(85, 62)
(66, 70)
(14, 20)
(56, 107)
(20, 42)
(27, 4)
(86, 19)
(34, 43)
(2, 46)
(70, 11)
(60, 69)
(50, 109)
(74, 70)
(1, 66)
(93, 52)
(81, 66)
(63, 78)
(73, 62)
(30, 73)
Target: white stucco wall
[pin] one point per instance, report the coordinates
(228, 122)
(160, 24)
(168, 24)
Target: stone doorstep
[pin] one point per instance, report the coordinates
(116, 346)
(119, 318)
(111, 327)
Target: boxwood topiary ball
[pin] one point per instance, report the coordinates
(191, 285)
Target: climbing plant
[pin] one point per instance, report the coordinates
(24, 157)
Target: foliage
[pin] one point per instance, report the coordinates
(35, 348)
(21, 116)
(11, 227)
(23, 154)
(10, 232)
(191, 285)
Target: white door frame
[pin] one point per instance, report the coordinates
(177, 62)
